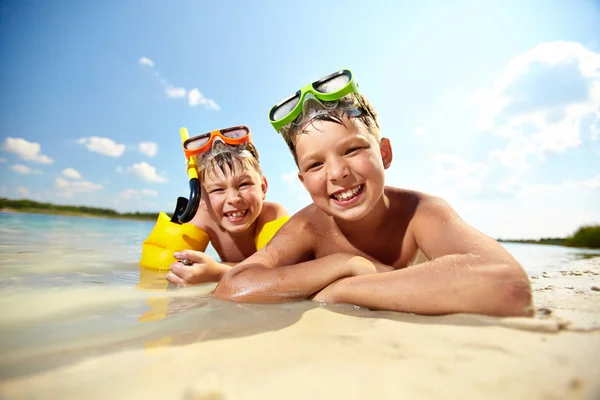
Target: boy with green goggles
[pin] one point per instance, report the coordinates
(335, 94)
(357, 243)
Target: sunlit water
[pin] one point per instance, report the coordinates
(71, 288)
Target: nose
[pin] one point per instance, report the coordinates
(338, 169)
(233, 196)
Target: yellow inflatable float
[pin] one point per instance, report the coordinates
(174, 234)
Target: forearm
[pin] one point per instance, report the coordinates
(255, 283)
(447, 285)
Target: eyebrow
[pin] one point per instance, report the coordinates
(341, 143)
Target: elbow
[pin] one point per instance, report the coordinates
(513, 291)
(236, 285)
(228, 287)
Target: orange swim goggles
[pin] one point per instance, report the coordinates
(202, 143)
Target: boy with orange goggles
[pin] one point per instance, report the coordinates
(232, 210)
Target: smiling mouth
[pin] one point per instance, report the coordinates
(349, 194)
(235, 215)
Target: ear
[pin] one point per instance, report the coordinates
(204, 199)
(302, 180)
(385, 148)
(264, 185)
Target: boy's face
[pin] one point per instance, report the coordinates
(342, 167)
(234, 198)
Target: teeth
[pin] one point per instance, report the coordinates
(236, 214)
(347, 194)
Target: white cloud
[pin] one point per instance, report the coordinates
(515, 154)
(119, 169)
(148, 148)
(196, 98)
(68, 188)
(419, 131)
(146, 172)
(137, 194)
(595, 127)
(526, 191)
(2, 160)
(23, 191)
(452, 172)
(71, 173)
(543, 98)
(24, 169)
(146, 61)
(102, 145)
(175, 91)
(29, 151)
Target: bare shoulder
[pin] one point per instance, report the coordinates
(405, 203)
(272, 211)
(297, 240)
(430, 206)
(413, 202)
(305, 223)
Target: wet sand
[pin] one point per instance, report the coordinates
(341, 352)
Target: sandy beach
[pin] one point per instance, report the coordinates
(316, 351)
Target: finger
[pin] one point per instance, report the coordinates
(174, 279)
(193, 256)
(183, 272)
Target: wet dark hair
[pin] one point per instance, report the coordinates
(228, 160)
(367, 118)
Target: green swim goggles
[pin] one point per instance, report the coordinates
(328, 89)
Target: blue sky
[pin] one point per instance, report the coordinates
(494, 106)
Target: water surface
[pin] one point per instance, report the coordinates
(71, 288)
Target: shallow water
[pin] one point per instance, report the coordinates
(71, 288)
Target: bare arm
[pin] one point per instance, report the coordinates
(469, 272)
(284, 271)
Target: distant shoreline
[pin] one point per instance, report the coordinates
(552, 242)
(36, 207)
(73, 214)
(586, 237)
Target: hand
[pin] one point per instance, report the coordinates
(203, 269)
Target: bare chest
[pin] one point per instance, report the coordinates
(232, 249)
(395, 247)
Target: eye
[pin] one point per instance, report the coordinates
(353, 149)
(245, 184)
(314, 166)
(216, 190)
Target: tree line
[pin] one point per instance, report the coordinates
(585, 236)
(35, 206)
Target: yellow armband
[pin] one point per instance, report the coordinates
(268, 231)
(167, 238)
